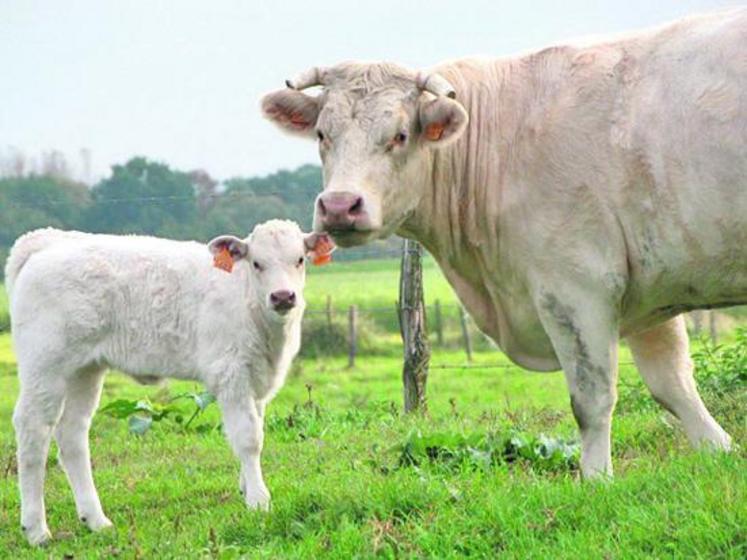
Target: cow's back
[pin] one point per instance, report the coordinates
(638, 157)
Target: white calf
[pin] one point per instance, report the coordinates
(81, 303)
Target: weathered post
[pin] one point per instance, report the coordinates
(352, 335)
(697, 317)
(417, 351)
(712, 326)
(439, 323)
(328, 312)
(465, 333)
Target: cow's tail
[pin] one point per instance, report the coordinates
(23, 249)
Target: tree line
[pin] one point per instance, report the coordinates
(148, 197)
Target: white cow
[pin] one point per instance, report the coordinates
(81, 303)
(571, 196)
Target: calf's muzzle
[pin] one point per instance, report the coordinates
(283, 300)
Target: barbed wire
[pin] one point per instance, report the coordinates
(227, 195)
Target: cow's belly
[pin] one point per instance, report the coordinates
(521, 336)
(508, 318)
(683, 270)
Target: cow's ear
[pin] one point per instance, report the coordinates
(442, 121)
(291, 110)
(237, 248)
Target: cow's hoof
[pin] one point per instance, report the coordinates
(717, 441)
(597, 475)
(258, 500)
(38, 536)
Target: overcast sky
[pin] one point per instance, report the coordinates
(179, 81)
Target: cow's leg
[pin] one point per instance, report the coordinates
(81, 400)
(663, 358)
(242, 422)
(585, 341)
(36, 413)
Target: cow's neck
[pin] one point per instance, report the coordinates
(459, 215)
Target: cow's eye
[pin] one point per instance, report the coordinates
(300, 261)
(399, 139)
(257, 266)
(320, 135)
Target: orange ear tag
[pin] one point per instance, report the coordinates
(323, 252)
(223, 260)
(321, 260)
(434, 131)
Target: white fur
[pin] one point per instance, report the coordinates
(81, 303)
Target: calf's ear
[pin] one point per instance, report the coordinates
(442, 121)
(319, 247)
(237, 248)
(292, 111)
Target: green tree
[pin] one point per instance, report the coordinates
(32, 202)
(145, 197)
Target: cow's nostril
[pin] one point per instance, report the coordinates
(322, 207)
(357, 206)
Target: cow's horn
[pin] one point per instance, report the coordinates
(310, 78)
(435, 84)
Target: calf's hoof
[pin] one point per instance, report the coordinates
(37, 536)
(97, 523)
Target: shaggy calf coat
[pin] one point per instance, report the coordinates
(81, 303)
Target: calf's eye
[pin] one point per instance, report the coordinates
(320, 135)
(257, 266)
(300, 261)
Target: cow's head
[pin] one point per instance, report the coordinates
(376, 126)
(274, 255)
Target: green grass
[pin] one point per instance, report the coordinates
(339, 490)
(370, 284)
(4, 315)
(333, 462)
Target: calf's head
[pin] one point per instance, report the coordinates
(274, 255)
(376, 126)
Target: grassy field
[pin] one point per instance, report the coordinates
(352, 477)
(370, 284)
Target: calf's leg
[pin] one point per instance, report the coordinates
(36, 413)
(663, 359)
(243, 425)
(81, 400)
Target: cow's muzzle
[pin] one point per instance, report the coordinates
(341, 212)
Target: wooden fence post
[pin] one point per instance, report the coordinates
(712, 326)
(465, 333)
(352, 335)
(412, 323)
(697, 317)
(439, 323)
(328, 312)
